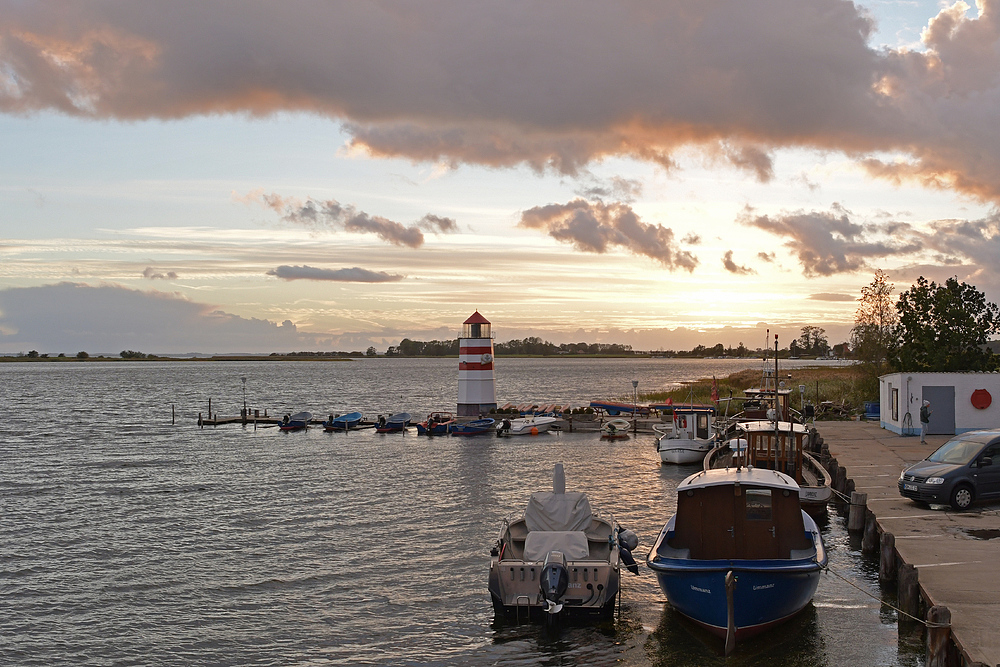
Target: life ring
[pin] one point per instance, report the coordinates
(487, 358)
(981, 399)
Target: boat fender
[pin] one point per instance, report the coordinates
(554, 581)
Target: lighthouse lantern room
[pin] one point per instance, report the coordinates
(476, 385)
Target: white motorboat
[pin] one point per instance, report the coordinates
(689, 436)
(559, 559)
(525, 425)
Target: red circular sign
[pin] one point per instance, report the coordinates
(981, 399)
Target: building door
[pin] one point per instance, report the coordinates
(942, 409)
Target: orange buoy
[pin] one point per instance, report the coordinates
(534, 430)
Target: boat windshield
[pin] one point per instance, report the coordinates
(956, 452)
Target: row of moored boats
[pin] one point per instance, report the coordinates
(741, 554)
(436, 423)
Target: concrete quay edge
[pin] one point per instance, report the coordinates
(954, 568)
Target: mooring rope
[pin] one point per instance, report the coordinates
(927, 624)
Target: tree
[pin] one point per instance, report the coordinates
(371, 352)
(33, 354)
(82, 355)
(813, 341)
(874, 334)
(945, 328)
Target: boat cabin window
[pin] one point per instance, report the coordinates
(758, 504)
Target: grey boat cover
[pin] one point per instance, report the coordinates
(572, 544)
(558, 511)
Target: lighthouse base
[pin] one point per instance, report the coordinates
(475, 409)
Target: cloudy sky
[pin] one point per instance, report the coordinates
(272, 176)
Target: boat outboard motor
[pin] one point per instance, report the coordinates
(627, 541)
(554, 581)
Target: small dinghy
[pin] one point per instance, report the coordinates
(616, 429)
(296, 422)
(559, 559)
(394, 423)
(477, 427)
(342, 422)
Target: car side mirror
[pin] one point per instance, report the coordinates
(985, 461)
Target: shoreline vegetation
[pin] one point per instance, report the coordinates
(837, 392)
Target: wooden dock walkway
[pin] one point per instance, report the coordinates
(952, 555)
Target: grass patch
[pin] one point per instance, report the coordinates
(844, 386)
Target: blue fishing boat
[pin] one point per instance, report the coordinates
(437, 423)
(342, 422)
(614, 408)
(296, 422)
(477, 427)
(394, 423)
(740, 555)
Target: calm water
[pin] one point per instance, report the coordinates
(126, 540)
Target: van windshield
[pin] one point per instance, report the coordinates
(956, 452)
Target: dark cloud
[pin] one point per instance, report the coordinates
(766, 256)
(832, 297)
(70, 317)
(436, 223)
(733, 267)
(152, 274)
(332, 215)
(506, 84)
(352, 275)
(827, 243)
(597, 227)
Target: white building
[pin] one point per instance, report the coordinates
(959, 402)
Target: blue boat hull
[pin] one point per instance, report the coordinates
(343, 423)
(767, 592)
(763, 596)
(478, 427)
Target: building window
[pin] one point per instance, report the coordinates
(894, 404)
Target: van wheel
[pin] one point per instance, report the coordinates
(961, 497)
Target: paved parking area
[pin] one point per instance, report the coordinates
(957, 554)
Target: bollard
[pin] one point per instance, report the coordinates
(887, 559)
(908, 590)
(200, 422)
(857, 515)
(938, 636)
(869, 543)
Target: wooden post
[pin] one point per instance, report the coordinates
(173, 415)
(209, 407)
(849, 487)
(841, 483)
(887, 559)
(869, 543)
(908, 591)
(938, 636)
(200, 422)
(859, 506)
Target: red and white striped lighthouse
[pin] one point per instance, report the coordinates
(476, 386)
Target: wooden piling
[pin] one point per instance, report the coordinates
(200, 422)
(841, 480)
(870, 542)
(887, 559)
(908, 590)
(857, 515)
(938, 636)
(173, 415)
(209, 407)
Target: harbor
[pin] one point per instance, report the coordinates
(285, 540)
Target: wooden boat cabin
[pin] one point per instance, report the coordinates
(756, 517)
(776, 446)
